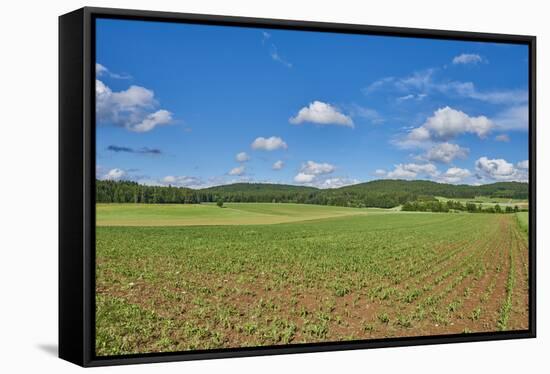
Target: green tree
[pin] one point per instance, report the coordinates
(219, 203)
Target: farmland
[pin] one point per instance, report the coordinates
(182, 277)
(485, 201)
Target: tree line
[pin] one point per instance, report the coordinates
(379, 194)
(453, 206)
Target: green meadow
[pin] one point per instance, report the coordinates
(210, 214)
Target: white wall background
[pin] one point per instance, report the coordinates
(28, 187)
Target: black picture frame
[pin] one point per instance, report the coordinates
(77, 184)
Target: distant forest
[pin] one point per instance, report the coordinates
(379, 193)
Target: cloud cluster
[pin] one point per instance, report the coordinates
(502, 170)
(268, 144)
(133, 108)
(321, 113)
(445, 153)
(445, 124)
(454, 175)
(425, 171)
(412, 171)
(311, 171)
(467, 58)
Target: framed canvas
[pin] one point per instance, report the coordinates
(237, 186)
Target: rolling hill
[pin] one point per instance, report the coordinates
(379, 193)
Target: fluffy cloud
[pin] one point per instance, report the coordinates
(237, 171)
(115, 174)
(160, 117)
(447, 123)
(242, 157)
(467, 58)
(278, 165)
(304, 178)
(412, 171)
(130, 108)
(454, 175)
(502, 138)
(322, 114)
(312, 167)
(445, 152)
(311, 170)
(501, 170)
(268, 144)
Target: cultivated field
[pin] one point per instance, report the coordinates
(491, 201)
(181, 277)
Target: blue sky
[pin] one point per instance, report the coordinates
(195, 106)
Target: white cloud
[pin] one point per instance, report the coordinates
(237, 171)
(183, 181)
(514, 118)
(160, 117)
(454, 175)
(311, 170)
(500, 170)
(101, 70)
(322, 114)
(424, 82)
(380, 172)
(268, 144)
(412, 171)
(502, 138)
(336, 182)
(447, 123)
(304, 178)
(523, 165)
(242, 157)
(468, 90)
(130, 108)
(467, 58)
(115, 174)
(445, 152)
(312, 167)
(278, 165)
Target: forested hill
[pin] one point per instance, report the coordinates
(379, 193)
(429, 188)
